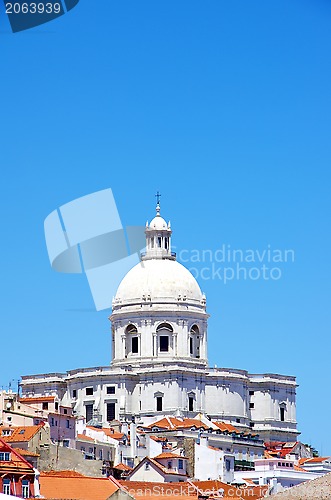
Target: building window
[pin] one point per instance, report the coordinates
(238, 420)
(56, 406)
(100, 455)
(164, 343)
(88, 412)
(110, 412)
(190, 403)
(74, 393)
(25, 489)
(282, 414)
(5, 456)
(170, 464)
(65, 411)
(159, 403)
(45, 406)
(6, 486)
(89, 391)
(251, 405)
(52, 421)
(134, 345)
(111, 389)
(251, 424)
(251, 393)
(66, 443)
(227, 465)
(191, 345)
(180, 464)
(68, 424)
(131, 329)
(146, 466)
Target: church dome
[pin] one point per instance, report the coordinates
(159, 280)
(158, 223)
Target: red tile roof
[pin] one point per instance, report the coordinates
(76, 487)
(112, 433)
(62, 473)
(213, 488)
(42, 399)
(224, 427)
(168, 454)
(313, 460)
(26, 453)
(123, 467)
(17, 463)
(83, 437)
(172, 423)
(23, 434)
(159, 466)
(142, 490)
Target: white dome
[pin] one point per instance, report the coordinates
(162, 280)
(158, 223)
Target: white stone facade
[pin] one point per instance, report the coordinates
(159, 358)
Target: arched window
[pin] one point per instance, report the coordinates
(164, 330)
(164, 326)
(131, 329)
(194, 330)
(194, 342)
(282, 411)
(132, 341)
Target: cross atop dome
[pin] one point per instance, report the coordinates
(158, 208)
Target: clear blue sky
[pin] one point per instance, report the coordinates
(224, 106)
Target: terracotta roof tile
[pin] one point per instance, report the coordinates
(225, 427)
(315, 460)
(123, 467)
(62, 473)
(76, 487)
(83, 437)
(160, 491)
(212, 489)
(26, 453)
(112, 433)
(21, 434)
(42, 399)
(168, 454)
(17, 462)
(172, 423)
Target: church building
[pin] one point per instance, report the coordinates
(159, 363)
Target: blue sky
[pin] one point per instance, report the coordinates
(223, 106)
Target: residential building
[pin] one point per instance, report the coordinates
(17, 476)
